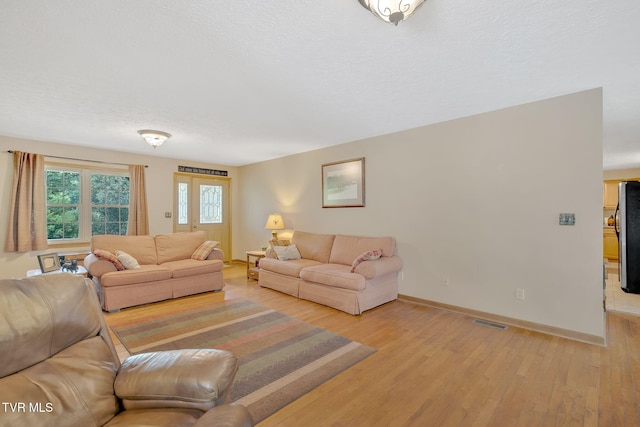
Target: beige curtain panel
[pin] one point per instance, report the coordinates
(138, 216)
(27, 217)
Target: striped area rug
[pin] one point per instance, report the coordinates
(280, 358)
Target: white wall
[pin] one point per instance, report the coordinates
(159, 178)
(474, 200)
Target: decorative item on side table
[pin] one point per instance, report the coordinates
(49, 262)
(253, 266)
(71, 266)
(274, 223)
(343, 184)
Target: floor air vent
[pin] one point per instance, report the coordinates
(490, 324)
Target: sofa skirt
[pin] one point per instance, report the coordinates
(117, 297)
(378, 291)
(286, 284)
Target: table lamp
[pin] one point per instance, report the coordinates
(274, 222)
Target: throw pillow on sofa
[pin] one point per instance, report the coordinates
(129, 262)
(108, 256)
(287, 252)
(203, 251)
(366, 256)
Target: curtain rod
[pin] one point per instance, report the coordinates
(84, 160)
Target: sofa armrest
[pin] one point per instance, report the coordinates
(232, 415)
(96, 267)
(196, 378)
(379, 267)
(216, 254)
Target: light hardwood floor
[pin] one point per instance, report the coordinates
(437, 368)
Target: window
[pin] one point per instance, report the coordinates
(84, 202)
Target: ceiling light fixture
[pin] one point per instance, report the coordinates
(154, 138)
(392, 11)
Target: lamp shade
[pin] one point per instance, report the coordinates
(274, 222)
(392, 11)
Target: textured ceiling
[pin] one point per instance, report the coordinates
(237, 82)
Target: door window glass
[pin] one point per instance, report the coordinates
(210, 204)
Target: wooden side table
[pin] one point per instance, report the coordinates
(253, 261)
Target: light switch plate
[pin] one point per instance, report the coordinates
(567, 219)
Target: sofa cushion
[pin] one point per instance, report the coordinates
(287, 252)
(314, 246)
(176, 246)
(156, 417)
(146, 273)
(73, 387)
(288, 268)
(108, 256)
(142, 248)
(129, 262)
(366, 256)
(27, 336)
(334, 275)
(347, 248)
(202, 252)
(192, 267)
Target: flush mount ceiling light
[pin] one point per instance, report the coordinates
(392, 11)
(154, 138)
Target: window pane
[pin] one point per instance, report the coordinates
(54, 178)
(183, 203)
(97, 228)
(210, 204)
(105, 208)
(109, 197)
(55, 195)
(113, 215)
(71, 215)
(55, 231)
(71, 231)
(63, 198)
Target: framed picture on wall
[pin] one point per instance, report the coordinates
(49, 262)
(343, 184)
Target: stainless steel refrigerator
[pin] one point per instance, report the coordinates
(628, 232)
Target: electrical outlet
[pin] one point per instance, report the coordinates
(567, 219)
(520, 294)
(444, 281)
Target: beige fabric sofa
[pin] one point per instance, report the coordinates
(59, 367)
(323, 273)
(166, 269)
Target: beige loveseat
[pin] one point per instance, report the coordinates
(166, 269)
(331, 271)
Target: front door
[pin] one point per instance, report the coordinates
(203, 204)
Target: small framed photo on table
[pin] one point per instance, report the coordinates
(343, 184)
(49, 262)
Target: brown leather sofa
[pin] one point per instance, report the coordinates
(59, 367)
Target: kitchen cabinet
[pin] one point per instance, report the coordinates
(610, 194)
(610, 244)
